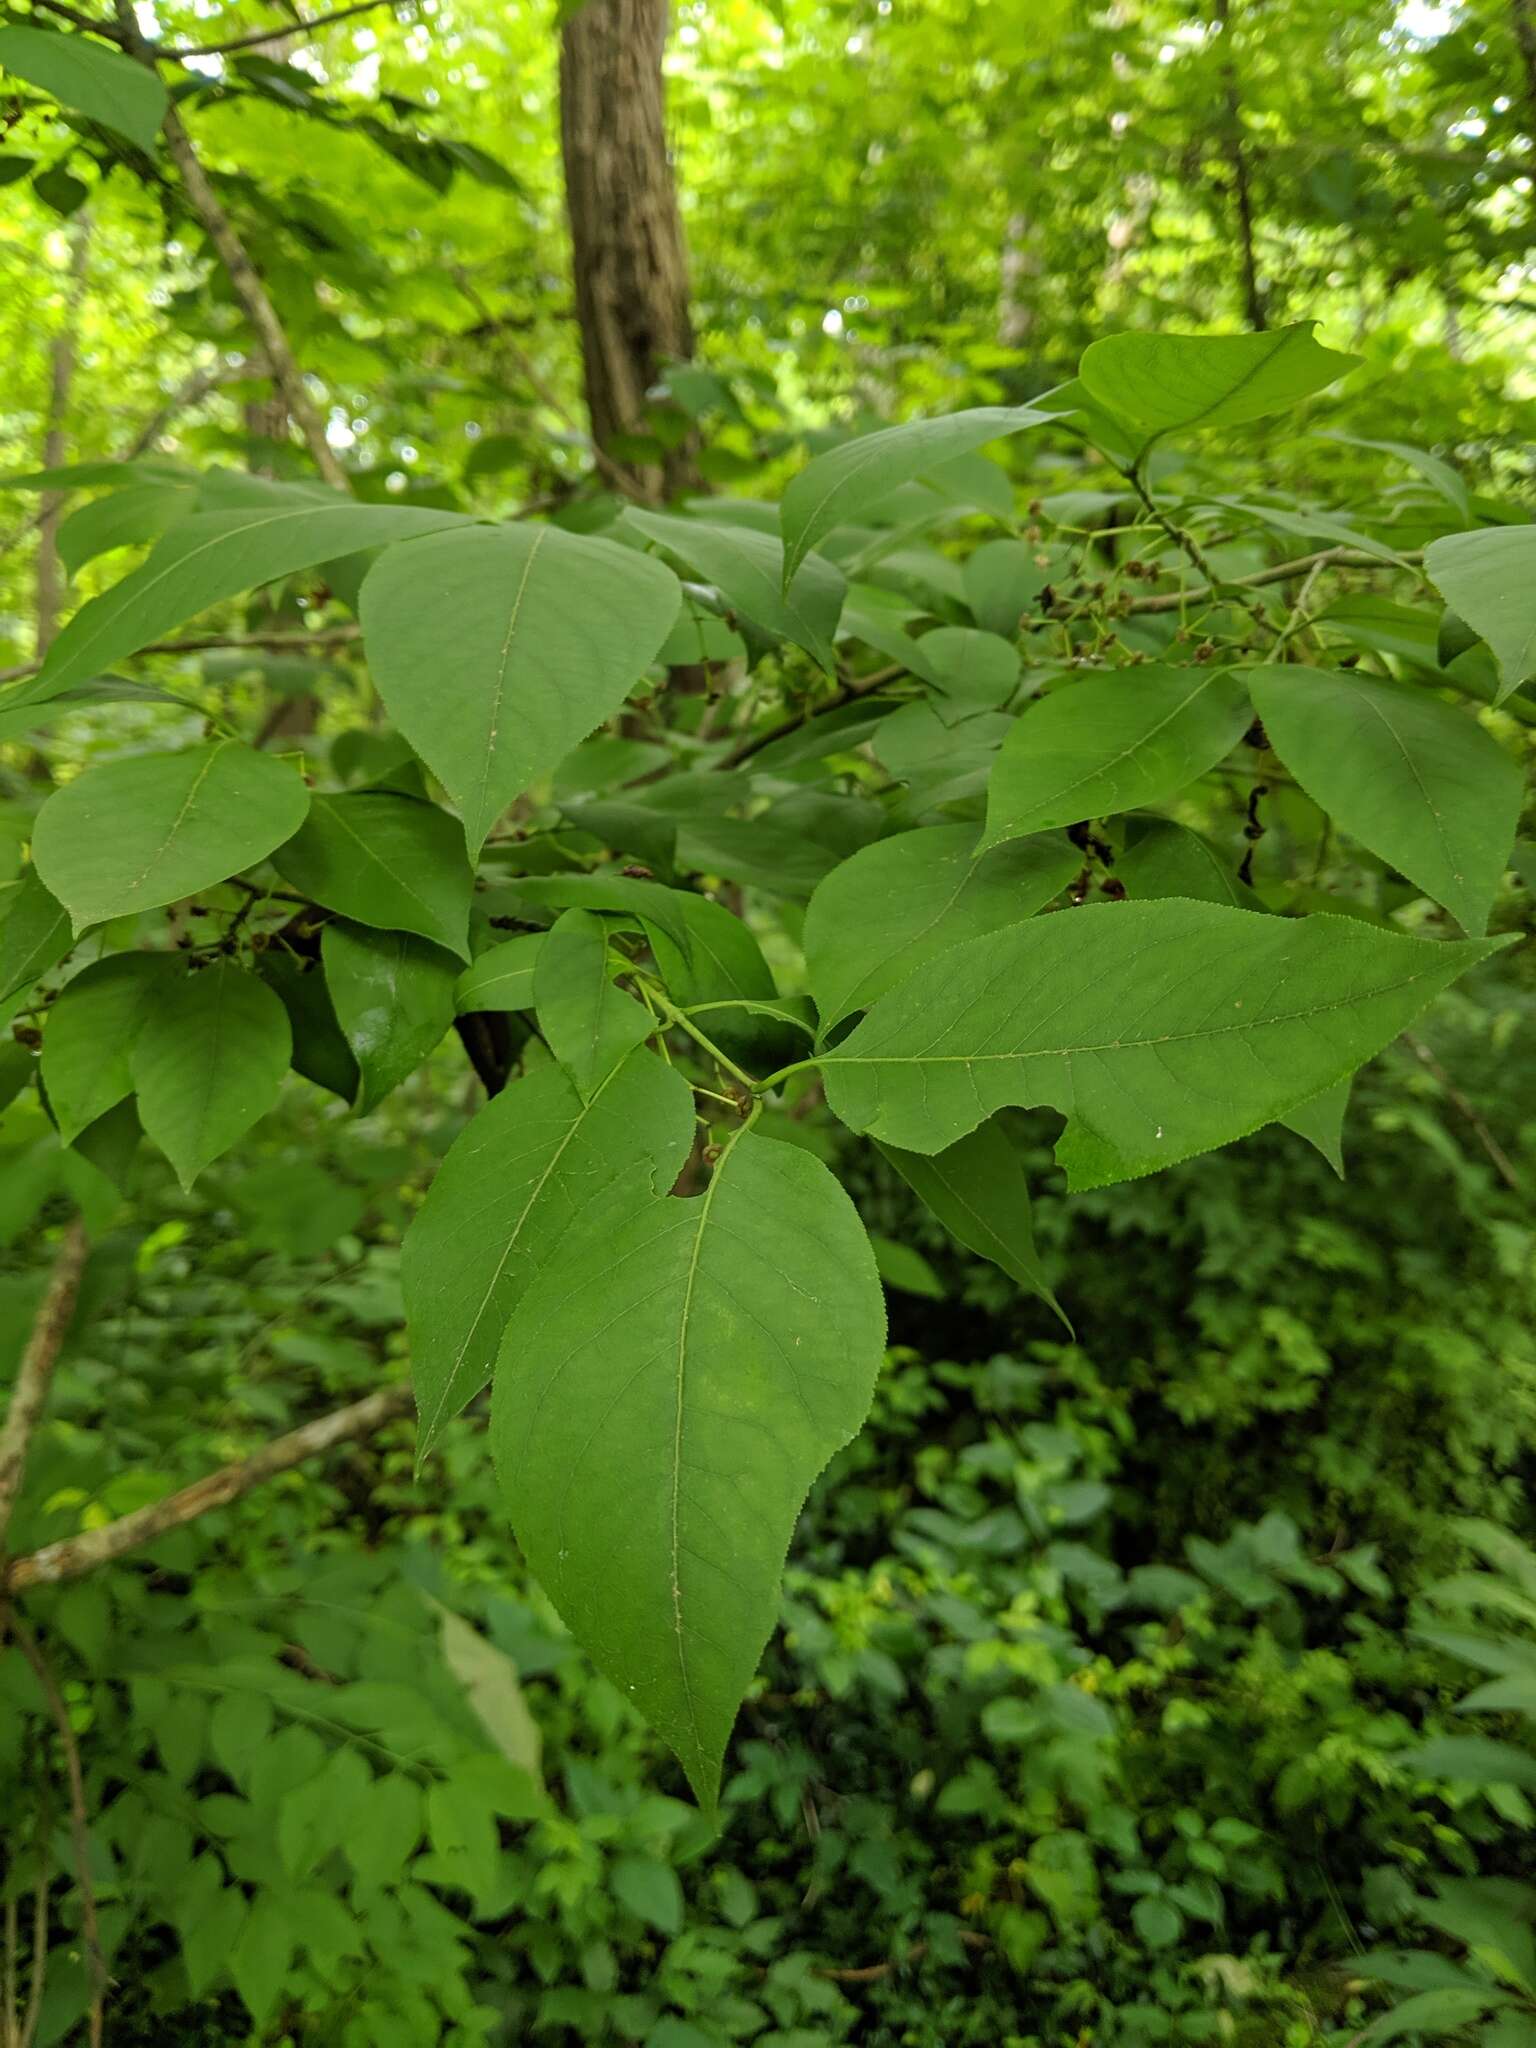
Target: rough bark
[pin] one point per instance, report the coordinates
(34, 1375)
(631, 269)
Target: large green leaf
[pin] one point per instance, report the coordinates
(148, 829)
(839, 485)
(1110, 744)
(509, 1192)
(119, 519)
(976, 1188)
(34, 936)
(393, 997)
(502, 978)
(667, 1390)
(89, 79)
(208, 1061)
(1167, 383)
(1489, 579)
(1419, 783)
(214, 555)
(897, 903)
(1159, 1030)
(589, 1025)
(386, 861)
(497, 649)
(747, 568)
(91, 1031)
(975, 671)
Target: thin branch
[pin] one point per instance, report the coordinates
(204, 643)
(34, 2012)
(85, 21)
(243, 276)
(35, 1372)
(1282, 572)
(846, 693)
(76, 1555)
(1504, 1166)
(79, 1821)
(287, 30)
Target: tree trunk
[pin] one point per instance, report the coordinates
(1237, 163)
(1523, 17)
(631, 268)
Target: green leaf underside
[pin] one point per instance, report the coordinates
(588, 1024)
(35, 935)
(747, 568)
(1167, 383)
(148, 829)
(214, 555)
(1420, 784)
(667, 1391)
(498, 649)
(837, 486)
(387, 861)
(1158, 1029)
(1112, 744)
(393, 997)
(895, 904)
(1489, 578)
(501, 978)
(91, 1030)
(89, 79)
(512, 1187)
(977, 1189)
(209, 1060)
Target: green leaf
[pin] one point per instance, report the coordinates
(210, 1936)
(320, 1052)
(120, 519)
(148, 829)
(1321, 1122)
(667, 1390)
(976, 1188)
(393, 997)
(1002, 580)
(1112, 743)
(490, 1682)
(1157, 1921)
(1489, 578)
(903, 1267)
(34, 936)
(1168, 383)
(502, 978)
(661, 909)
(386, 861)
(89, 79)
(1419, 783)
(1434, 2013)
(1435, 472)
(1166, 859)
(91, 1031)
(589, 1025)
(387, 1830)
(747, 568)
(897, 903)
(1474, 1759)
(650, 1890)
(1159, 1029)
(215, 555)
(497, 649)
(976, 671)
(839, 485)
(511, 1188)
(260, 1958)
(208, 1061)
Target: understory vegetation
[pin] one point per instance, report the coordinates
(767, 1102)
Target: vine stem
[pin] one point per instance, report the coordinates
(680, 1018)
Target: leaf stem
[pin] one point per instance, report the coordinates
(683, 1022)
